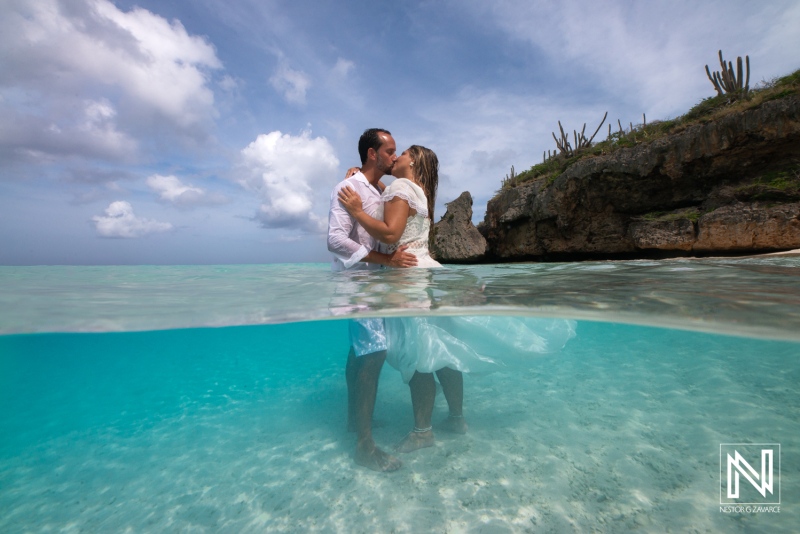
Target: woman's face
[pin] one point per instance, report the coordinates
(403, 167)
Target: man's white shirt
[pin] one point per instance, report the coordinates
(347, 240)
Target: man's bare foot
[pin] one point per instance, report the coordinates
(415, 440)
(377, 460)
(455, 424)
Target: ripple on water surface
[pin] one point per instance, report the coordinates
(753, 296)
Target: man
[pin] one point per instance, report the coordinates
(353, 248)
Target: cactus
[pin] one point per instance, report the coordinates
(509, 180)
(588, 142)
(729, 81)
(562, 143)
(579, 139)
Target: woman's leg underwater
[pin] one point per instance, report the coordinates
(423, 395)
(452, 382)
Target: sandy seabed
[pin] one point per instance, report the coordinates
(589, 440)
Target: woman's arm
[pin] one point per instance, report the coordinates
(395, 216)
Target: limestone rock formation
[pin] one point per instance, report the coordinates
(729, 186)
(752, 226)
(456, 239)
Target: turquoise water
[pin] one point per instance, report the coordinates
(212, 399)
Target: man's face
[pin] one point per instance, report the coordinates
(386, 154)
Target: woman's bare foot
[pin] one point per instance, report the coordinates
(377, 460)
(455, 424)
(415, 440)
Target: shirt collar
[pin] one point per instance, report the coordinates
(363, 179)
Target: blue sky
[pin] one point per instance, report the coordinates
(174, 132)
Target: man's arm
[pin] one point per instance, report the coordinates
(398, 259)
(340, 224)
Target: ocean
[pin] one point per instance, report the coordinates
(212, 399)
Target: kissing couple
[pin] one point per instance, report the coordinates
(373, 226)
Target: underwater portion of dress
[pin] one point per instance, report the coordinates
(474, 344)
(471, 344)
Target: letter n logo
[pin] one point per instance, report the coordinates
(741, 482)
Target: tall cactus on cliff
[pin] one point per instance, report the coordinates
(580, 139)
(729, 81)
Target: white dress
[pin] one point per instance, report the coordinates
(478, 344)
(418, 226)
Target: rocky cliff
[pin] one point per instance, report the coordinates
(456, 239)
(727, 186)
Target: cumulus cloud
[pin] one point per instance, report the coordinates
(171, 189)
(286, 171)
(292, 84)
(98, 73)
(120, 221)
(100, 129)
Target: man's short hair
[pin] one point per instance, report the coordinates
(370, 139)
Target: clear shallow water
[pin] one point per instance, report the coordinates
(189, 428)
(755, 296)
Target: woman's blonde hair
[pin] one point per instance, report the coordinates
(426, 171)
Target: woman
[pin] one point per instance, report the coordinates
(405, 218)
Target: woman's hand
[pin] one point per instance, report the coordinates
(350, 200)
(351, 171)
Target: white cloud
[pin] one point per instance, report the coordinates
(100, 128)
(650, 54)
(228, 83)
(98, 73)
(91, 131)
(171, 189)
(286, 172)
(343, 68)
(120, 221)
(292, 84)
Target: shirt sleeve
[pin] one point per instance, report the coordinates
(402, 188)
(340, 226)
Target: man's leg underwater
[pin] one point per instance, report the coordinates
(366, 371)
